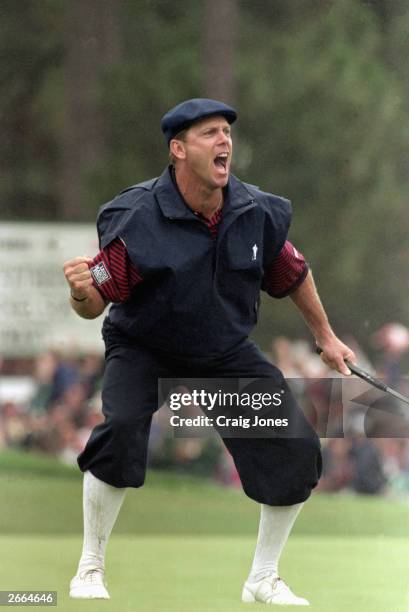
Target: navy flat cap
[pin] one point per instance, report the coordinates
(184, 114)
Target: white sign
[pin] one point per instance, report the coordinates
(35, 314)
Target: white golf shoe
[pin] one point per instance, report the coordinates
(89, 584)
(271, 590)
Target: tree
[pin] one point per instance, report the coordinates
(218, 49)
(30, 53)
(92, 43)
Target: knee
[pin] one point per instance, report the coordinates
(310, 445)
(129, 423)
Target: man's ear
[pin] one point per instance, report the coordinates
(177, 148)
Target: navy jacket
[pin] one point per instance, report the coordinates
(198, 297)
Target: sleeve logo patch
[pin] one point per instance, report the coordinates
(100, 274)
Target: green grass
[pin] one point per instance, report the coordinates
(169, 573)
(184, 545)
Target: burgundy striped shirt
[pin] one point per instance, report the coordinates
(115, 276)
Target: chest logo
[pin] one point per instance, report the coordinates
(254, 249)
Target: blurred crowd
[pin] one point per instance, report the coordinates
(51, 403)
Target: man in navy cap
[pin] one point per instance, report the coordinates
(183, 259)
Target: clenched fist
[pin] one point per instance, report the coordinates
(78, 276)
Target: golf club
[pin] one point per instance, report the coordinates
(375, 382)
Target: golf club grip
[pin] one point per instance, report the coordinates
(362, 374)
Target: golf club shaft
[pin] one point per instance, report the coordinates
(366, 376)
(375, 382)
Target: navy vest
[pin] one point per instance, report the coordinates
(198, 297)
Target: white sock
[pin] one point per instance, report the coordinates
(101, 505)
(276, 523)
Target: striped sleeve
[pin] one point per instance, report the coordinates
(286, 273)
(113, 273)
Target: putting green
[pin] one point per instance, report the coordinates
(184, 544)
(175, 574)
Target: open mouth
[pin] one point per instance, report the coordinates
(220, 161)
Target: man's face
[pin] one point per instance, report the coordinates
(208, 151)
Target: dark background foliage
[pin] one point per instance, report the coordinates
(321, 88)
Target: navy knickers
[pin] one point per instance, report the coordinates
(274, 471)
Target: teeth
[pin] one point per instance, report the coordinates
(221, 159)
(222, 156)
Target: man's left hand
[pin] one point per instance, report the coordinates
(334, 353)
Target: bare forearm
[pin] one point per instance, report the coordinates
(307, 300)
(335, 352)
(91, 307)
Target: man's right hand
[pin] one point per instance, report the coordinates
(78, 276)
(86, 301)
